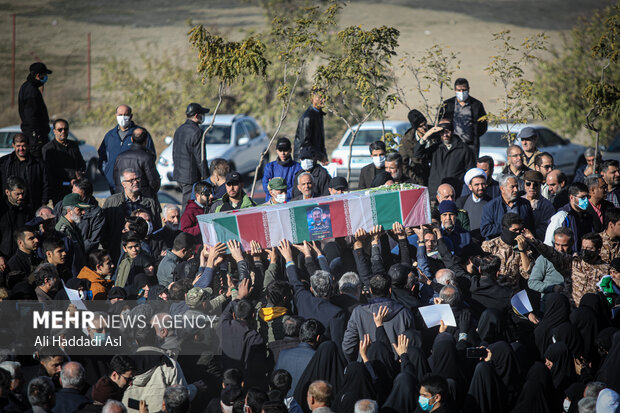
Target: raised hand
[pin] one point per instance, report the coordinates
(402, 345)
(380, 315)
(399, 230)
(286, 250)
(364, 344)
(255, 249)
(235, 250)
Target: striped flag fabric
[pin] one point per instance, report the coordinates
(318, 218)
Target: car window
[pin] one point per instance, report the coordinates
(614, 146)
(219, 135)
(6, 139)
(549, 138)
(251, 128)
(364, 137)
(494, 139)
(240, 131)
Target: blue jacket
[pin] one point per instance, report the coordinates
(112, 146)
(543, 212)
(274, 169)
(494, 211)
(294, 360)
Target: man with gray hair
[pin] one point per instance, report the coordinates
(163, 238)
(394, 166)
(176, 399)
(41, 394)
(17, 376)
(509, 201)
(305, 186)
(350, 288)
(113, 406)
(72, 211)
(366, 406)
(587, 405)
(320, 176)
(70, 397)
(587, 169)
(119, 206)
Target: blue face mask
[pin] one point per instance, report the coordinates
(100, 338)
(424, 403)
(44, 79)
(583, 203)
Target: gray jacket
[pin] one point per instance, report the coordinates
(166, 268)
(398, 319)
(544, 276)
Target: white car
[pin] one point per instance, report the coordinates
(369, 132)
(567, 156)
(237, 138)
(89, 152)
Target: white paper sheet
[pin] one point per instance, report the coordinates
(74, 297)
(521, 303)
(432, 314)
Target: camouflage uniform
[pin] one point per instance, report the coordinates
(511, 270)
(610, 248)
(580, 277)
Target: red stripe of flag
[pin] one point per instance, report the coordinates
(413, 215)
(338, 218)
(251, 228)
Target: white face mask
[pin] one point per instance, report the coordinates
(379, 161)
(462, 96)
(280, 198)
(123, 120)
(307, 164)
(566, 405)
(150, 226)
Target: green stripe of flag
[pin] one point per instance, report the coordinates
(387, 207)
(227, 229)
(300, 223)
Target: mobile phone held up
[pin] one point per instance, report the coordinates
(476, 352)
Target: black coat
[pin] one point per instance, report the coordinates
(477, 110)
(33, 113)
(11, 218)
(596, 222)
(321, 181)
(32, 172)
(447, 165)
(61, 163)
(141, 160)
(367, 174)
(310, 134)
(186, 153)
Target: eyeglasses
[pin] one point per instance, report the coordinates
(62, 129)
(132, 181)
(530, 183)
(129, 379)
(547, 166)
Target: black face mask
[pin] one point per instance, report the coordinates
(509, 237)
(588, 256)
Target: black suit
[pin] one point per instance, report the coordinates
(477, 111)
(596, 222)
(32, 172)
(33, 114)
(62, 162)
(367, 174)
(310, 134)
(142, 161)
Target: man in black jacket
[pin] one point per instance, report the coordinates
(465, 113)
(186, 152)
(367, 174)
(20, 163)
(32, 109)
(310, 131)
(450, 157)
(141, 160)
(63, 161)
(13, 215)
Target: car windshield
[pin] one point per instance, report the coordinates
(365, 137)
(219, 135)
(494, 139)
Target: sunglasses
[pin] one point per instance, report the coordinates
(530, 183)
(62, 129)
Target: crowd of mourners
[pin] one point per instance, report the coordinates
(324, 326)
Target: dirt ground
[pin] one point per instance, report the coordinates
(55, 31)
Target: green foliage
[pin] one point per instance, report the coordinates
(153, 92)
(507, 69)
(432, 71)
(573, 69)
(356, 81)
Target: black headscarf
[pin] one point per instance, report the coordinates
(326, 364)
(385, 366)
(608, 373)
(585, 321)
(569, 335)
(490, 326)
(357, 385)
(404, 395)
(574, 392)
(557, 310)
(506, 366)
(534, 396)
(487, 393)
(444, 358)
(598, 305)
(418, 361)
(563, 369)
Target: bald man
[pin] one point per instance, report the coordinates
(117, 140)
(446, 192)
(319, 397)
(558, 191)
(72, 380)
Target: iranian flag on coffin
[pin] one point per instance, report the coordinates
(318, 218)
